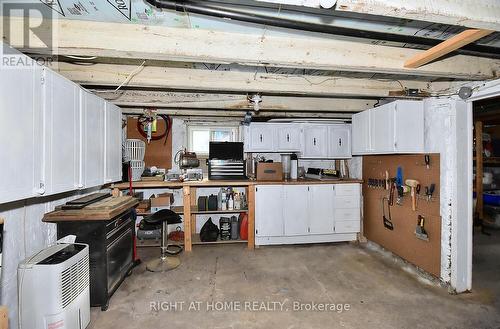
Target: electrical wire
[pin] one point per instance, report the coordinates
(82, 58)
(131, 75)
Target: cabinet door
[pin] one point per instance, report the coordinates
(288, 137)
(340, 142)
(295, 210)
(361, 133)
(409, 126)
(382, 129)
(20, 133)
(113, 144)
(261, 138)
(269, 210)
(321, 211)
(93, 139)
(315, 141)
(61, 108)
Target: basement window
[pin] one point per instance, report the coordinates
(199, 136)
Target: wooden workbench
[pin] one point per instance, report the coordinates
(105, 209)
(190, 209)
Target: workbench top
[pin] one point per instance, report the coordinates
(216, 183)
(103, 210)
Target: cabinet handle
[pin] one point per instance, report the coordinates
(287, 137)
(340, 141)
(314, 141)
(261, 138)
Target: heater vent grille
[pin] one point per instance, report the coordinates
(74, 280)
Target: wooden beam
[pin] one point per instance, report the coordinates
(240, 114)
(165, 99)
(478, 14)
(232, 81)
(90, 38)
(446, 47)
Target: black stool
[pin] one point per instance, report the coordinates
(167, 261)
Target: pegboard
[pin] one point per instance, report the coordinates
(402, 240)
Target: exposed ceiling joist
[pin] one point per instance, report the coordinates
(446, 47)
(162, 99)
(231, 81)
(240, 114)
(196, 45)
(479, 14)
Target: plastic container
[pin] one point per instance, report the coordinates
(286, 161)
(225, 228)
(492, 198)
(235, 230)
(243, 220)
(294, 170)
(134, 150)
(137, 167)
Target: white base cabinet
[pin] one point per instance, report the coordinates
(290, 214)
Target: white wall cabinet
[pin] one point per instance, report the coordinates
(261, 138)
(20, 133)
(288, 137)
(113, 145)
(54, 136)
(288, 214)
(339, 141)
(393, 128)
(93, 140)
(315, 141)
(61, 111)
(361, 142)
(310, 140)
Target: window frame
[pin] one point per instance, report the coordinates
(232, 128)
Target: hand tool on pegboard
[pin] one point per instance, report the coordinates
(412, 183)
(429, 191)
(391, 192)
(399, 184)
(427, 159)
(387, 220)
(420, 231)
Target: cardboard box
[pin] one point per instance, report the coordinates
(162, 200)
(269, 171)
(144, 206)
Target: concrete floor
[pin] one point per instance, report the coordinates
(379, 292)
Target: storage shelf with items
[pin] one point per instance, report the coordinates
(194, 210)
(233, 201)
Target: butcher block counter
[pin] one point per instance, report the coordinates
(211, 183)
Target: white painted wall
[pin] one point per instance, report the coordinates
(24, 235)
(446, 132)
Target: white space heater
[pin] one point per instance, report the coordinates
(54, 290)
